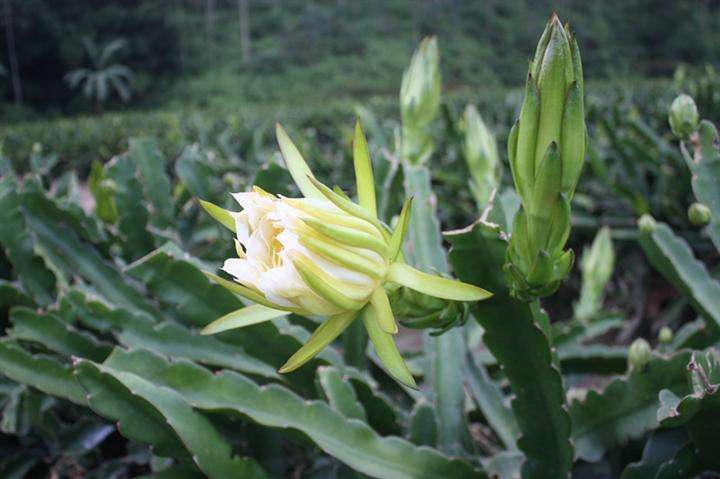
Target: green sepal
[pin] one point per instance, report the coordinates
(387, 350)
(573, 139)
(527, 136)
(248, 293)
(433, 285)
(345, 204)
(296, 165)
(254, 314)
(399, 234)
(363, 171)
(221, 215)
(323, 335)
(383, 312)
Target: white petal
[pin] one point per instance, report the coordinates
(243, 271)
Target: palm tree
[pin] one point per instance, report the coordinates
(98, 79)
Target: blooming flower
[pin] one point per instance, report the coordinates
(323, 255)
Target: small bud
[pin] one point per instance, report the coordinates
(683, 116)
(37, 148)
(481, 155)
(639, 355)
(597, 266)
(699, 214)
(646, 223)
(665, 335)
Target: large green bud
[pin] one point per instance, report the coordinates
(420, 101)
(546, 148)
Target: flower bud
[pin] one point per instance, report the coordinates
(325, 255)
(647, 223)
(598, 264)
(481, 155)
(420, 101)
(546, 148)
(683, 117)
(699, 214)
(639, 355)
(665, 336)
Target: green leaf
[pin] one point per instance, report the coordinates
(138, 330)
(12, 295)
(296, 165)
(660, 445)
(168, 411)
(699, 412)
(349, 440)
(522, 348)
(176, 341)
(323, 335)
(422, 429)
(383, 413)
(19, 246)
(443, 365)
(132, 214)
(490, 400)
(705, 168)
(84, 260)
(196, 173)
(339, 393)
(363, 171)
(626, 408)
(240, 318)
(56, 335)
(151, 166)
(672, 256)
(40, 372)
(184, 290)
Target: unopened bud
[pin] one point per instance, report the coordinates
(699, 214)
(683, 116)
(665, 335)
(646, 223)
(639, 355)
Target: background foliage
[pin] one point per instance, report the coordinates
(103, 247)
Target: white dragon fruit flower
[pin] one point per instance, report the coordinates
(323, 255)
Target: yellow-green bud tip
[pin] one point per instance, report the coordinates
(699, 214)
(683, 116)
(665, 335)
(647, 223)
(639, 355)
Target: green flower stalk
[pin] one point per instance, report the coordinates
(420, 101)
(481, 156)
(546, 147)
(324, 255)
